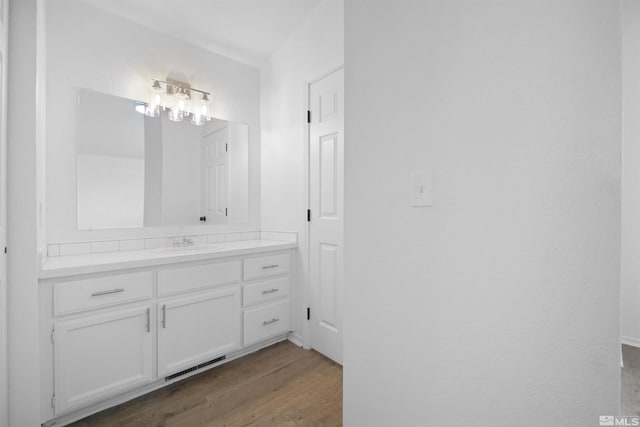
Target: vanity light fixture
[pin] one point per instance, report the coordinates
(177, 97)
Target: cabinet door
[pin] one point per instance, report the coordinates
(197, 329)
(103, 355)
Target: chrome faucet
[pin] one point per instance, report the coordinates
(182, 242)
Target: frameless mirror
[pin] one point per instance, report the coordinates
(140, 171)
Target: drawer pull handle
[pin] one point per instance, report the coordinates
(267, 267)
(268, 322)
(148, 319)
(112, 291)
(164, 316)
(270, 291)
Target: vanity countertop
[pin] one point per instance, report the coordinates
(72, 265)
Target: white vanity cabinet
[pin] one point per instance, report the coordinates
(200, 319)
(198, 328)
(107, 337)
(266, 300)
(101, 355)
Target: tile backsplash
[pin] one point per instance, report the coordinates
(85, 248)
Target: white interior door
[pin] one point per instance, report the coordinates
(326, 193)
(216, 176)
(4, 421)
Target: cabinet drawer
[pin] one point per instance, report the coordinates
(266, 290)
(186, 279)
(86, 294)
(266, 321)
(264, 266)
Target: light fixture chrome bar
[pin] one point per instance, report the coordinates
(180, 86)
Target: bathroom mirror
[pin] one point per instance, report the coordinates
(140, 171)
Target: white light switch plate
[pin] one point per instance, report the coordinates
(422, 188)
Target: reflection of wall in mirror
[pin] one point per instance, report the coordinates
(111, 164)
(110, 192)
(153, 171)
(238, 173)
(180, 179)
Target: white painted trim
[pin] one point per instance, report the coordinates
(634, 342)
(327, 74)
(295, 339)
(4, 355)
(304, 244)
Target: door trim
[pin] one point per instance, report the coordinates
(305, 237)
(4, 307)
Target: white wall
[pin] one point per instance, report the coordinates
(25, 148)
(313, 49)
(500, 304)
(630, 324)
(89, 48)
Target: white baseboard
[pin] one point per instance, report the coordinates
(296, 339)
(633, 342)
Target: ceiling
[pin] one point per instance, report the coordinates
(248, 31)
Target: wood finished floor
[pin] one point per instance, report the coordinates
(282, 385)
(630, 379)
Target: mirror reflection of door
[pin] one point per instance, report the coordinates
(215, 175)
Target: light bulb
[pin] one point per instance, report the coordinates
(175, 115)
(152, 110)
(196, 119)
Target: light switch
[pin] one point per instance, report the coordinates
(422, 188)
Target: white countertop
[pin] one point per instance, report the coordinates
(95, 263)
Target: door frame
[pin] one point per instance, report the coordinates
(304, 241)
(4, 309)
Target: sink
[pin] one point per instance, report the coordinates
(188, 249)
